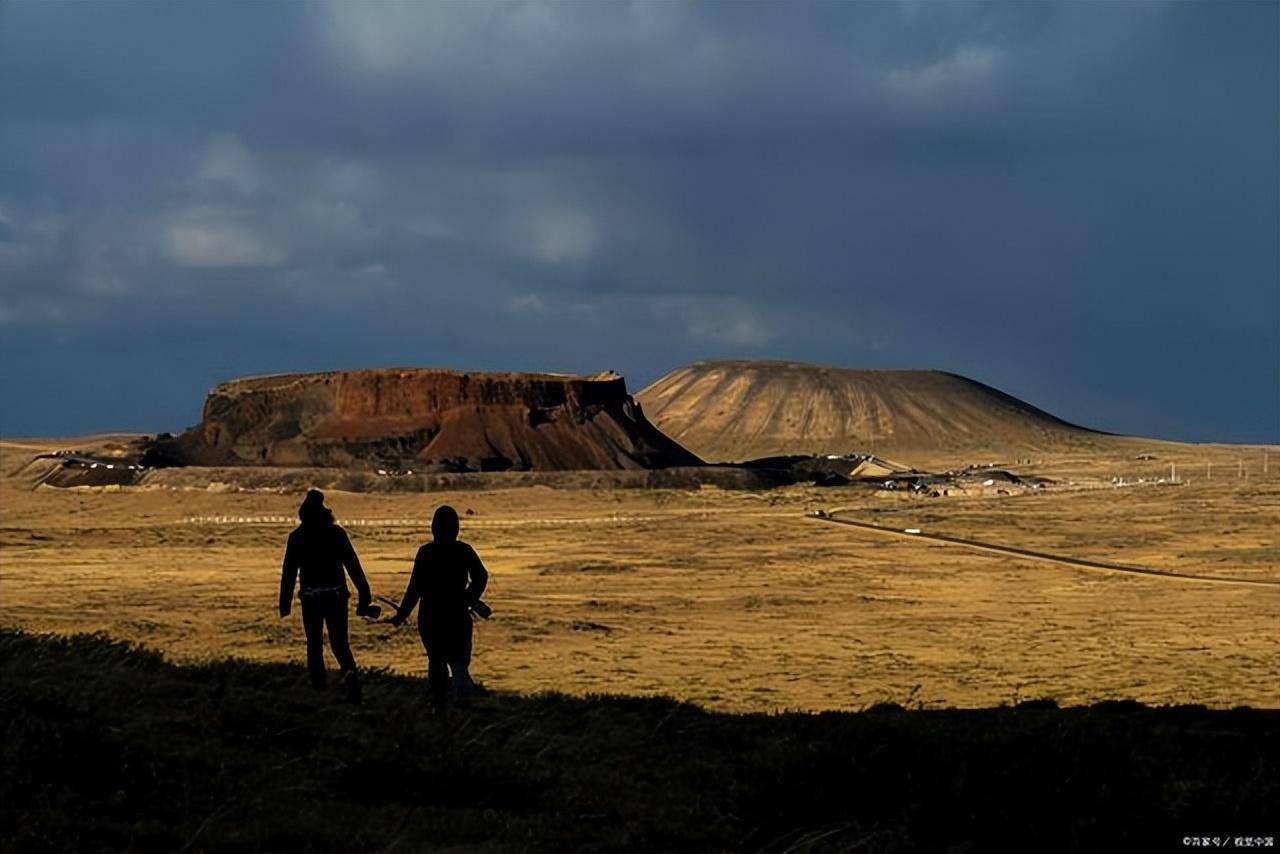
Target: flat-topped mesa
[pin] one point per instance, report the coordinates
(427, 419)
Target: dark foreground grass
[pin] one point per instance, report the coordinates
(109, 747)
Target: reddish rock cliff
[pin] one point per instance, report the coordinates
(425, 419)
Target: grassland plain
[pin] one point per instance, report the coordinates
(734, 601)
(730, 599)
(108, 747)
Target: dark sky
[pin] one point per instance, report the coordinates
(1078, 203)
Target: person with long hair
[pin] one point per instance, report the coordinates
(448, 579)
(317, 553)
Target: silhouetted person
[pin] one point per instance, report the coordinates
(317, 553)
(448, 578)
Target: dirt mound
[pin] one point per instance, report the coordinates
(424, 419)
(739, 410)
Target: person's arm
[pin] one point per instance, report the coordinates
(352, 562)
(478, 578)
(413, 592)
(288, 577)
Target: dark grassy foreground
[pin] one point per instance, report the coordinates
(107, 747)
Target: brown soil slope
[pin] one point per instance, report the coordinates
(425, 419)
(738, 410)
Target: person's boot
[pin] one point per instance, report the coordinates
(351, 687)
(462, 692)
(438, 695)
(464, 687)
(439, 702)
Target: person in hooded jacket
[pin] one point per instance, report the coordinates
(448, 580)
(317, 555)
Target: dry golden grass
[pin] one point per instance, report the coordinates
(731, 599)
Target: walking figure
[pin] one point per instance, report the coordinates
(448, 579)
(317, 553)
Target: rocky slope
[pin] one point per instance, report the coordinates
(739, 410)
(425, 419)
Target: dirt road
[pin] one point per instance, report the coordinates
(1064, 560)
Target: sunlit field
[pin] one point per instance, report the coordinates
(733, 600)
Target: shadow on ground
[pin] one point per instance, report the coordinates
(111, 747)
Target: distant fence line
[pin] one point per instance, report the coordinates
(426, 523)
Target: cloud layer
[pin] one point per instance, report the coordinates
(1074, 202)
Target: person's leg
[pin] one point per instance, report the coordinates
(313, 625)
(437, 664)
(461, 664)
(336, 619)
(339, 641)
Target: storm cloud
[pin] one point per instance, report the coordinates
(1077, 203)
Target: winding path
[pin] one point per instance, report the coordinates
(1063, 560)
